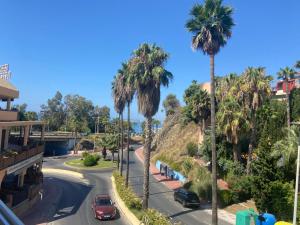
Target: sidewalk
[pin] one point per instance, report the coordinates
(174, 184)
(171, 184)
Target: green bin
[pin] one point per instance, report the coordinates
(245, 217)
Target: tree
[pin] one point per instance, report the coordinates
(211, 26)
(148, 74)
(197, 107)
(53, 113)
(129, 94)
(286, 74)
(80, 110)
(255, 89)
(297, 65)
(295, 104)
(118, 93)
(171, 104)
(101, 117)
(232, 123)
(22, 111)
(110, 141)
(31, 116)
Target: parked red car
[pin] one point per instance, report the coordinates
(104, 208)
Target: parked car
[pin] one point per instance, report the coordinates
(186, 198)
(104, 208)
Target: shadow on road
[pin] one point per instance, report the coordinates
(62, 198)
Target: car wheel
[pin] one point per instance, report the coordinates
(184, 203)
(175, 199)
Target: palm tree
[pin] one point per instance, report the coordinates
(254, 90)
(211, 26)
(232, 123)
(148, 74)
(119, 105)
(286, 74)
(297, 65)
(129, 93)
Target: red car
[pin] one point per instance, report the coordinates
(104, 208)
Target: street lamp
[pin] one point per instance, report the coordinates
(297, 181)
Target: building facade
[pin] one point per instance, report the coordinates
(20, 157)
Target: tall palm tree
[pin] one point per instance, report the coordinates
(119, 105)
(148, 74)
(232, 123)
(286, 74)
(254, 90)
(129, 94)
(211, 26)
(297, 65)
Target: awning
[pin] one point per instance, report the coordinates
(7, 90)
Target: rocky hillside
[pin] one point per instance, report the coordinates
(170, 142)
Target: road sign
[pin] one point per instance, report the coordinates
(4, 72)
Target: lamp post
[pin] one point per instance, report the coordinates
(297, 181)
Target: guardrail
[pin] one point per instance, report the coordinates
(7, 161)
(7, 217)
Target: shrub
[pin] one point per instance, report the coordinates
(187, 166)
(85, 154)
(191, 149)
(201, 182)
(153, 217)
(225, 198)
(90, 160)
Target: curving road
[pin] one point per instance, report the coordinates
(70, 201)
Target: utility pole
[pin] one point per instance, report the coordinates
(297, 181)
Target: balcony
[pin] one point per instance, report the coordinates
(10, 158)
(8, 115)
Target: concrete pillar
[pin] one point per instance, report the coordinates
(6, 138)
(8, 104)
(43, 133)
(26, 135)
(21, 178)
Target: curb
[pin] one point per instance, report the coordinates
(87, 169)
(122, 207)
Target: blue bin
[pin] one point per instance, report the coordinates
(269, 219)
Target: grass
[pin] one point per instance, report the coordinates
(78, 163)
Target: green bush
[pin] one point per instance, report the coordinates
(187, 166)
(225, 198)
(91, 160)
(191, 149)
(153, 217)
(201, 182)
(85, 154)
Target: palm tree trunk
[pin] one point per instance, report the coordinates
(119, 141)
(128, 145)
(251, 144)
(147, 152)
(122, 145)
(236, 157)
(287, 91)
(213, 142)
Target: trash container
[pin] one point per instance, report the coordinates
(244, 217)
(283, 223)
(266, 219)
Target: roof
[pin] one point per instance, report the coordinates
(7, 90)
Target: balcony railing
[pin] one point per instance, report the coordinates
(8, 115)
(7, 160)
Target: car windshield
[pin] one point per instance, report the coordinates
(103, 202)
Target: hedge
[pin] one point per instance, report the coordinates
(149, 216)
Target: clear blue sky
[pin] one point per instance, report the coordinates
(76, 46)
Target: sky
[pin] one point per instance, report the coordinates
(77, 46)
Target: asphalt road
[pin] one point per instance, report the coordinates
(74, 205)
(161, 198)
